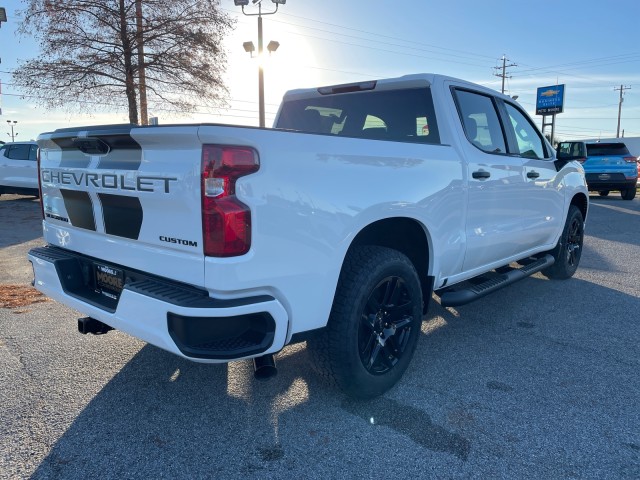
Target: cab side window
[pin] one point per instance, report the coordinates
(480, 119)
(18, 152)
(529, 141)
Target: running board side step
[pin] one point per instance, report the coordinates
(455, 298)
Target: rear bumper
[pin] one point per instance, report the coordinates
(610, 181)
(175, 317)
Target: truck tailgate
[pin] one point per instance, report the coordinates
(124, 194)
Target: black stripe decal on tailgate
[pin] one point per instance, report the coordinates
(79, 209)
(122, 215)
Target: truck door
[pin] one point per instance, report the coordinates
(19, 165)
(496, 182)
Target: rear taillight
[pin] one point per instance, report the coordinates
(226, 221)
(630, 159)
(581, 159)
(40, 184)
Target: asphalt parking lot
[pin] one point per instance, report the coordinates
(540, 380)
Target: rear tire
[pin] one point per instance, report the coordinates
(374, 324)
(603, 193)
(569, 248)
(628, 194)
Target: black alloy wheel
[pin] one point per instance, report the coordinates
(568, 251)
(374, 325)
(385, 327)
(574, 242)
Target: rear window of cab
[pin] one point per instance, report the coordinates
(405, 115)
(600, 149)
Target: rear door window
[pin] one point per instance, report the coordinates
(480, 120)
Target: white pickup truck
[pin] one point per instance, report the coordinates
(18, 168)
(220, 243)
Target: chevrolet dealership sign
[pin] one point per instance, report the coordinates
(550, 100)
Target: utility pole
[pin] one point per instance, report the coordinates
(621, 89)
(504, 70)
(142, 79)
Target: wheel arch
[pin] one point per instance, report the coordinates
(409, 237)
(581, 201)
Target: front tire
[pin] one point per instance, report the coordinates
(628, 194)
(569, 249)
(374, 324)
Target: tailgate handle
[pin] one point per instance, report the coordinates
(481, 174)
(91, 146)
(533, 174)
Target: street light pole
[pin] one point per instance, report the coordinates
(11, 124)
(260, 68)
(243, 3)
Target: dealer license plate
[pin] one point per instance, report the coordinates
(109, 280)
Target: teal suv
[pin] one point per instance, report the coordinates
(607, 166)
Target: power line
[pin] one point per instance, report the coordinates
(118, 105)
(625, 57)
(374, 34)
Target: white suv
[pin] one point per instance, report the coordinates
(19, 168)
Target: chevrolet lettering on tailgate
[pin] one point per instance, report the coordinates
(107, 181)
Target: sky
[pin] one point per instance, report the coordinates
(591, 47)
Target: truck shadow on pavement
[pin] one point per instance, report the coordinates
(164, 416)
(506, 381)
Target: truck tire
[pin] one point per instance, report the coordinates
(374, 325)
(569, 249)
(628, 194)
(603, 193)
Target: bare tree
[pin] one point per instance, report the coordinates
(89, 53)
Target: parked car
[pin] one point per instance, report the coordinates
(608, 166)
(19, 168)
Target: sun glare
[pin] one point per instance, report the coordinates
(286, 68)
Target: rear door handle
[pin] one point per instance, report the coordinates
(481, 174)
(533, 174)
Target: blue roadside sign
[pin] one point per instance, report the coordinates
(550, 100)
